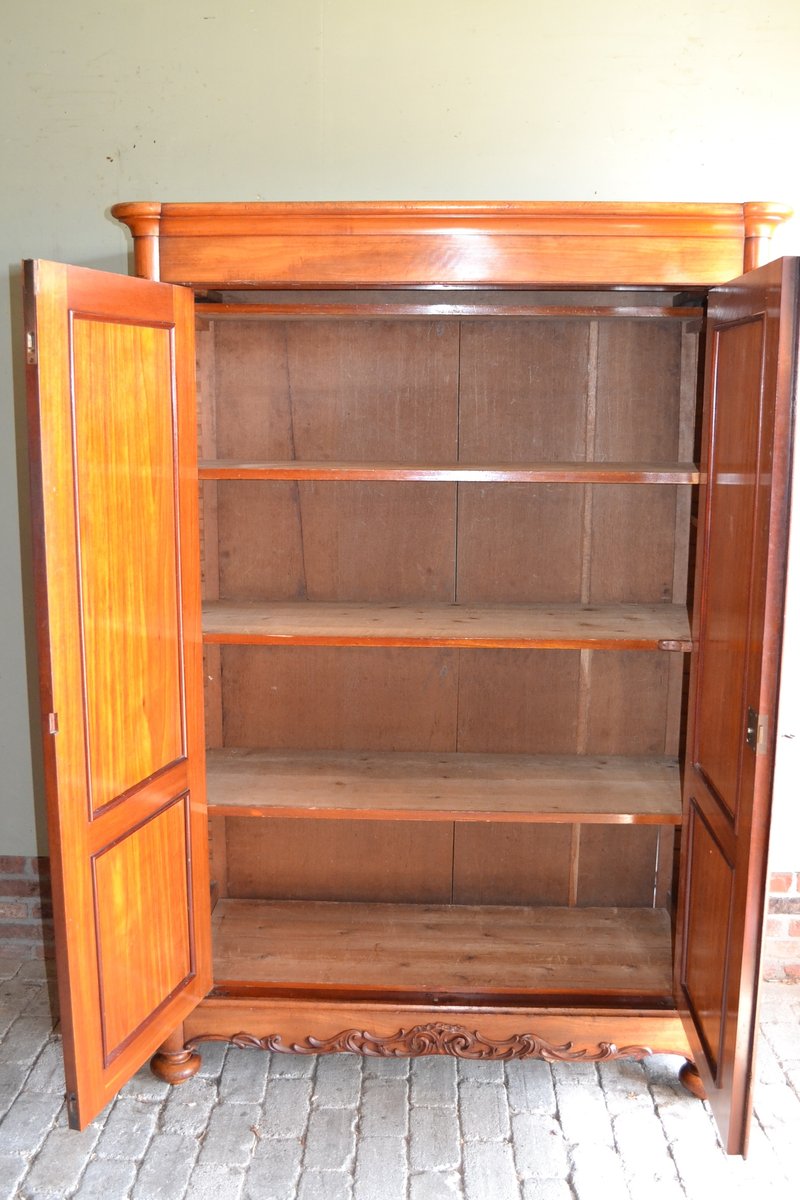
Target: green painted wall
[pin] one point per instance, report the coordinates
(355, 99)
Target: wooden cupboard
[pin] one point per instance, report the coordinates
(449, 484)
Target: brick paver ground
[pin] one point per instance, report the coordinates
(256, 1127)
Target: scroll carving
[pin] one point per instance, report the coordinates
(436, 1038)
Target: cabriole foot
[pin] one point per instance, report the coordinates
(690, 1078)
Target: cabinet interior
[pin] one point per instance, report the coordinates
(446, 541)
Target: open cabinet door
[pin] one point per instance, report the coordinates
(751, 367)
(114, 486)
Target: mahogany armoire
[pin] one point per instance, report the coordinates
(410, 585)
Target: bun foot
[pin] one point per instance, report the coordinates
(175, 1066)
(690, 1078)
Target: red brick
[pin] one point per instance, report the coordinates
(776, 927)
(14, 865)
(794, 929)
(19, 887)
(781, 881)
(12, 911)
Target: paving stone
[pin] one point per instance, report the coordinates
(625, 1085)
(384, 1108)
(10, 966)
(144, 1086)
(128, 1129)
(435, 1185)
(777, 1104)
(598, 1173)
(547, 1189)
(293, 1066)
(286, 1108)
(491, 1071)
(47, 1074)
(381, 1169)
(27, 1122)
(433, 1080)
(106, 1177)
(330, 1140)
(212, 1059)
(12, 1169)
(274, 1169)
(325, 1185)
(230, 1136)
(215, 1181)
(166, 1167)
(573, 1074)
(484, 1111)
(644, 1187)
(386, 1068)
(244, 1076)
(489, 1172)
(59, 1164)
(540, 1151)
(530, 1086)
(435, 1143)
(337, 1083)
(188, 1107)
(25, 1040)
(642, 1143)
(12, 1078)
(583, 1115)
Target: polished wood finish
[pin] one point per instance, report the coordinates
(558, 627)
(458, 243)
(555, 1033)
(751, 391)
(444, 787)
(111, 406)
(544, 472)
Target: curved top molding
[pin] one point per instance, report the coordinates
(449, 244)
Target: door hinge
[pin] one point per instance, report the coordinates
(31, 357)
(52, 722)
(756, 731)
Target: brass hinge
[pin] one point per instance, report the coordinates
(756, 731)
(31, 356)
(52, 722)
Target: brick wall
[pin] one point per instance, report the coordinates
(782, 949)
(26, 927)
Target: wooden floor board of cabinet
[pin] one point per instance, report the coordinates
(439, 469)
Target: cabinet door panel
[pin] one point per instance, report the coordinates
(114, 490)
(739, 596)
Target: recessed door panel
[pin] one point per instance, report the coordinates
(125, 480)
(144, 926)
(733, 483)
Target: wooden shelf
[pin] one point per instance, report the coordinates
(393, 310)
(558, 626)
(444, 787)
(540, 472)
(449, 951)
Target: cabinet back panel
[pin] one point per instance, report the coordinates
(519, 543)
(638, 403)
(323, 390)
(628, 709)
(524, 386)
(327, 698)
(473, 701)
(367, 542)
(512, 702)
(617, 867)
(632, 540)
(340, 860)
(512, 864)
